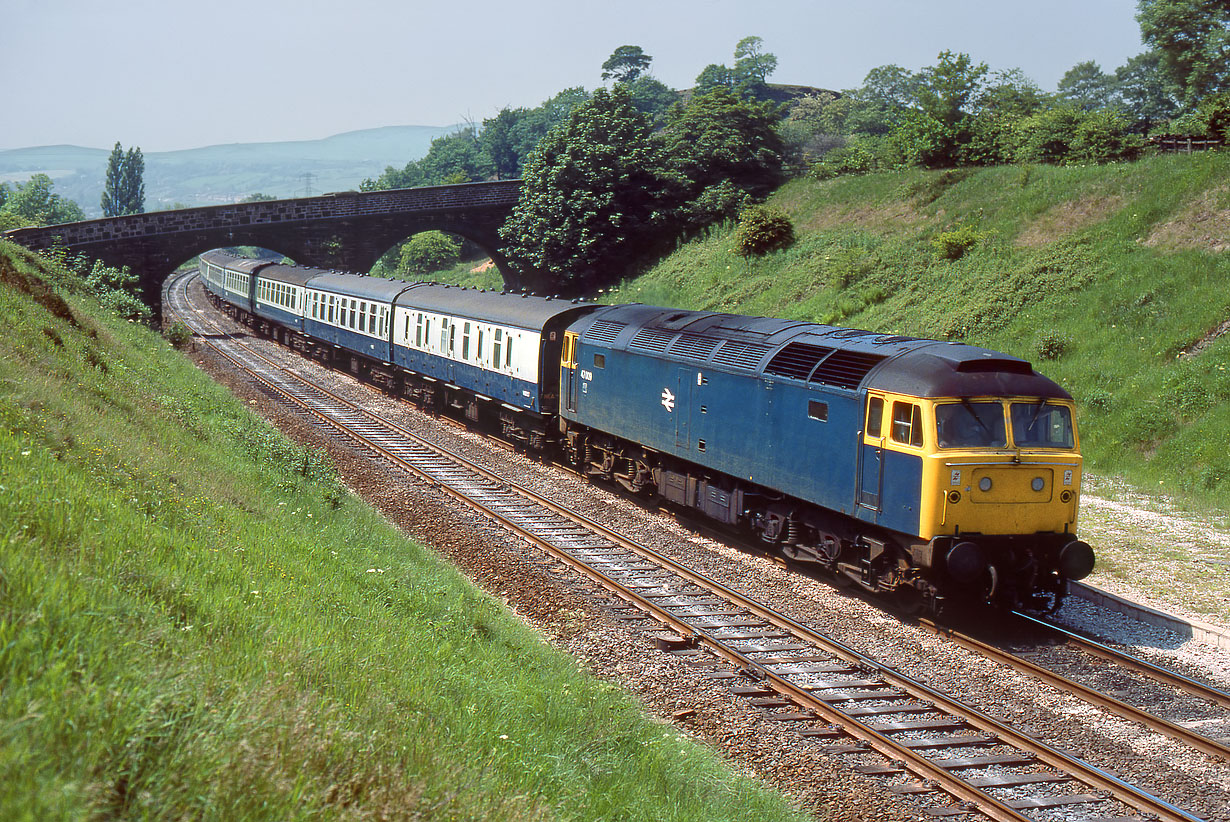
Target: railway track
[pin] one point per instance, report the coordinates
(951, 755)
(1044, 634)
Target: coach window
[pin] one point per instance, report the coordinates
(465, 341)
(508, 352)
(418, 329)
(371, 319)
(907, 423)
(478, 351)
(496, 345)
(875, 416)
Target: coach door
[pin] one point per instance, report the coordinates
(871, 456)
(568, 371)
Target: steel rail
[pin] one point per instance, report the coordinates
(1135, 663)
(1091, 695)
(963, 791)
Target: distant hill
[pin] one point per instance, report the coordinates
(226, 173)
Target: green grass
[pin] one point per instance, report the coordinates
(198, 621)
(1099, 275)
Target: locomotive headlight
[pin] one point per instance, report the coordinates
(1038, 484)
(984, 484)
(954, 497)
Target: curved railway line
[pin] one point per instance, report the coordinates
(953, 755)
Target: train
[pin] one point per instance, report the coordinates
(930, 472)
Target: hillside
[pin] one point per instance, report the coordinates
(227, 173)
(1114, 280)
(190, 629)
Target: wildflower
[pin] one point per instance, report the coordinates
(503, 736)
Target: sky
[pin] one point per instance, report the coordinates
(175, 74)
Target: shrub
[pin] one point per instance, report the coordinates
(1051, 345)
(178, 335)
(953, 245)
(1103, 136)
(1046, 137)
(763, 229)
(428, 251)
(858, 156)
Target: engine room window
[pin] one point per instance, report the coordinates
(1041, 425)
(971, 425)
(907, 423)
(875, 416)
(818, 410)
(600, 361)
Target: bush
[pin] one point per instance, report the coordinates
(953, 245)
(1103, 136)
(763, 229)
(1051, 345)
(428, 251)
(178, 335)
(858, 156)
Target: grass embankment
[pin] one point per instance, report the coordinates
(1104, 277)
(197, 621)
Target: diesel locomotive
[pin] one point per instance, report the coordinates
(931, 471)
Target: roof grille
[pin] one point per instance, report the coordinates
(845, 369)
(797, 360)
(694, 346)
(740, 355)
(604, 331)
(651, 340)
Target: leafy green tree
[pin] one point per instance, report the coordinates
(500, 140)
(651, 97)
(714, 76)
(753, 64)
(124, 191)
(258, 198)
(428, 251)
(947, 90)
(890, 87)
(33, 203)
(1145, 91)
(590, 201)
(1193, 39)
(721, 150)
(626, 64)
(1010, 93)
(1086, 86)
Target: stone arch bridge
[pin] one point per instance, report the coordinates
(347, 231)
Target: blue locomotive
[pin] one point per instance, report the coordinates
(925, 469)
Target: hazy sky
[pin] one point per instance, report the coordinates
(173, 74)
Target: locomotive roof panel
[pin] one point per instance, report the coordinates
(957, 370)
(518, 310)
(821, 354)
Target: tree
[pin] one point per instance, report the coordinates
(1010, 93)
(124, 192)
(721, 150)
(1086, 86)
(947, 89)
(1145, 90)
(1193, 39)
(714, 76)
(651, 97)
(34, 203)
(258, 198)
(753, 64)
(626, 64)
(590, 201)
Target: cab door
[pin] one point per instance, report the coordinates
(871, 457)
(568, 371)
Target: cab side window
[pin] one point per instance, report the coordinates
(907, 423)
(875, 416)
